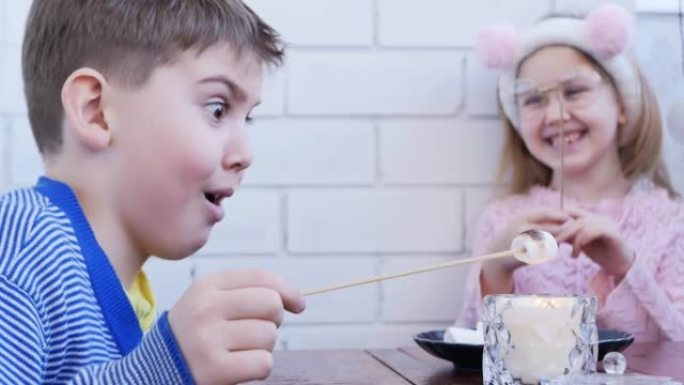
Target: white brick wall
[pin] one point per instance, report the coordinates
(355, 305)
(433, 297)
(12, 102)
(273, 95)
(376, 147)
(387, 83)
(381, 220)
(439, 23)
(4, 155)
(313, 152)
(323, 23)
(475, 201)
(252, 225)
(14, 20)
(480, 88)
(581, 6)
(25, 165)
(437, 149)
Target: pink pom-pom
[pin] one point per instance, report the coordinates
(496, 46)
(609, 29)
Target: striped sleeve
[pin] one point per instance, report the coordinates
(22, 342)
(157, 360)
(36, 349)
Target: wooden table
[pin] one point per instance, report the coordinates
(411, 365)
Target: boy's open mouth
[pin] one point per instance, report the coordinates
(215, 197)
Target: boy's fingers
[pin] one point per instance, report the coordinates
(245, 365)
(293, 300)
(249, 334)
(251, 303)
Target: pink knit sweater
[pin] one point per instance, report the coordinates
(648, 302)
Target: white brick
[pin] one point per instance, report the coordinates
(273, 94)
(4, 154)
(450, 23)
(169, 280)
(356, 220)
(11, 86)
(353, 336)
(356, 304)
(319, 22)
(3, 23)
(26, 163)
(659, 55)
(476, 200)
(656, 6)
(300, 152)
(15, 19)
(375, 83)
(252, 225)
(481, 97)
(433, 296)
(581, 7)
(450, 151)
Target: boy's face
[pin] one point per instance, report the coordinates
(179, 146)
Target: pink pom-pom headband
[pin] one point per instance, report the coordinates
(605, 34)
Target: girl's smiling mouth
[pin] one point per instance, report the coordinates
(570, 138)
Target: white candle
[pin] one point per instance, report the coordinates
(541, 337)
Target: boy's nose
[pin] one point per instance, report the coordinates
(238, 154)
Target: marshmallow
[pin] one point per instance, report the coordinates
(539, 246)
(457, 335)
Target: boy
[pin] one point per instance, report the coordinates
(139, 110)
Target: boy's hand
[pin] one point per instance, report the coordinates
(226, 324)
(598, 238)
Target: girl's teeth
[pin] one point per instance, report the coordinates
(568, 138)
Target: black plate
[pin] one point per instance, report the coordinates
(469, 357)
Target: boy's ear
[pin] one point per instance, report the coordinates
(83, 109)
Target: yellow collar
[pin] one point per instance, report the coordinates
(142, 299)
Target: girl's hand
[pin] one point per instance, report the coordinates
(545, 218)
(497, 275)
(598, 238)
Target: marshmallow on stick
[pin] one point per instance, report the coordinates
(531, 246)
(538, 246)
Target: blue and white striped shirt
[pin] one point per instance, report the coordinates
(64, 316)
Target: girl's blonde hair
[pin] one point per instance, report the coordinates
(639, 149)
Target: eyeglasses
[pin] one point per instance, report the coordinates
(575, 91)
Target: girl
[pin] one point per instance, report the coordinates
(567, 86)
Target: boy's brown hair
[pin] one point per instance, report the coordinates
(124, 40)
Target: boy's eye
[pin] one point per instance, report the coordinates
(217, 109)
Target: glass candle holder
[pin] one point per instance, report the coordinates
(530, 338)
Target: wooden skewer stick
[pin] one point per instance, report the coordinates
(562, 152)
(501, 254)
